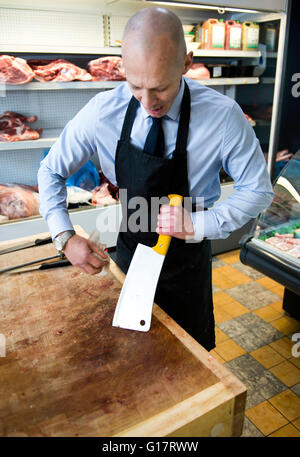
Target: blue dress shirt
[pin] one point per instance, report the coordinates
(219, 136)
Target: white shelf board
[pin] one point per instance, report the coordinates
(228, 81)
(48, 137)
(94, 85)
(36, 85)
(117, 50)
(63, 49)
(225, 53)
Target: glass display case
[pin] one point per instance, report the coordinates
(273, 246)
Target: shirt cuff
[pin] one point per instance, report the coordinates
(59, 222)
(205, 225)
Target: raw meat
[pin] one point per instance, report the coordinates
(108, 68)
(58, 70)
(198, 71)
(102, 196)
(13, 127)
(14, 70)
(18, 200)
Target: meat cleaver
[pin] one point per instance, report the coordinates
(134, 307)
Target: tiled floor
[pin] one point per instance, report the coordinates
(254, 340)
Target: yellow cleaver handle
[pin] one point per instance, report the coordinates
(163, 241)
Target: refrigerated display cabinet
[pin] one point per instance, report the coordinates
(273, 245)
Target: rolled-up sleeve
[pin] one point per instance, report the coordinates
(243, 160)
(73, 148)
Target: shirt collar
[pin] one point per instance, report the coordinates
(175, 108)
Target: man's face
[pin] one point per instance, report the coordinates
(154, 81)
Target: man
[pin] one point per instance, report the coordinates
(157, 134)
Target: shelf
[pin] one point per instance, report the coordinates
(92, 85)
(36, 85)
(225, 53)
(271, 55)
(97, 50)
(48, 138)
(228, 81)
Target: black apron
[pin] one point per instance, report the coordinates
(184, 289)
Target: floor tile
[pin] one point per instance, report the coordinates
(229, 350)
(234, 308)
(286, 325)
(266, 418)
(234, 275)
(267, 356)
(283, 346)
(287, 403)
(268, 313)
(221, 281)
(248, 271)
(267, 282)
(296, 423)
(230, 257)
(215, 288)
(250, 331)
(295, 361)
(221, 298)
(220, 315)
(249, 429)
(217, 263)
(287, 373)
(258, 380)
(296, 389)
(279, 290)
(288, 431)
(278, 306)
(220, 336)
(252, 295)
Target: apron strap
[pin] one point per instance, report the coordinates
(183, 127)
(129, 119)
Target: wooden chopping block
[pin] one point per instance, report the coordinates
(68, 372)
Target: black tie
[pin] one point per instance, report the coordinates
(155, 142)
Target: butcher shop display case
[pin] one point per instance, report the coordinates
(273, 246)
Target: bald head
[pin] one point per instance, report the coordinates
(155, 30)
(155, 58)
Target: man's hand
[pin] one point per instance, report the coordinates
(175, 221)
(84, 254)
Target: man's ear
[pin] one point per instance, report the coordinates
(188, 60)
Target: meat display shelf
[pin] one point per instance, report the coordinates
(48, 137)
(61, 85)
(225, 53)
(273, 244)
(116, 50)
(106, 218)
(85, 85)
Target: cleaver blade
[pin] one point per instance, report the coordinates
(134, 308)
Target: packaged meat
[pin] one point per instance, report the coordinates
(198, 71)
(13, 127)
(59, 70)
(102, 196)
(108, 68)
(18, 200)
(14, 70)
